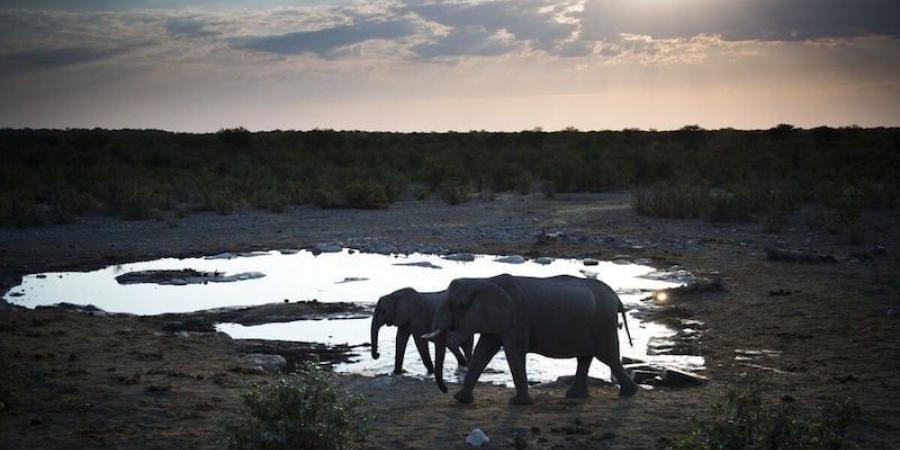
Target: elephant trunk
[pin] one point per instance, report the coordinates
(376, 325)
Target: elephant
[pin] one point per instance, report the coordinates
(412, 312)
(558, 317)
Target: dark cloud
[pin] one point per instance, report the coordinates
(188, 27)
(45, 59)
(324, 42)
(766, 20)
(121, 5)
(466, 41)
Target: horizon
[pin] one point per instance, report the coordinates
(420, 66)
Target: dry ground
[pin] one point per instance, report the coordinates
(100, 382)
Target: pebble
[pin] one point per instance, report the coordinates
(477, 438)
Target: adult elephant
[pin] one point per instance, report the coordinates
(558, 317)
(412, 312)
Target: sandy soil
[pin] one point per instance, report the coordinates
(95, 382)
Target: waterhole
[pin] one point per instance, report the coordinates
(349, 277)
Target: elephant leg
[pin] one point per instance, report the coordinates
(627, 387)
(467, 347)
(461, 360)
(402, 340)
(579, 384)
(516, 361)
(422, 346)
(487, 347)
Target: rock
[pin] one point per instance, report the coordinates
(511, 259)
(264, 362)
(477, 438)
(590, 262)
(424, 264)
(329, 247)
(603, 436)
(252, 254)
(351, 280)
(663, 376)
(543, 260)
(65, 306)
(464, 257)
(791, 255)
(519, 442)
(877, 250)
(225, 255)
(702, 284)
(381, 383)
(183, 277)
(191, 325)
(609, 239)
(893, 312)
(288, 251)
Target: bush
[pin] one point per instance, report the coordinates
(454, 194)
(744, 421)
(366, 195)
(305, 410)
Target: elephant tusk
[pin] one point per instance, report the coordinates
(432, 335)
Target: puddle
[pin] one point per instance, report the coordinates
(348, 277)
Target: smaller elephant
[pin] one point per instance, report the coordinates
(412, 312)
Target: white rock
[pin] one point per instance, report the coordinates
(465, 257)
(477, 438)
(511, 259)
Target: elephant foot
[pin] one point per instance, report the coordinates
(577, 392)
(628, 390)
(521, 400)
(464, 397)
(398, 372)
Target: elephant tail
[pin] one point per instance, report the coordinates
(625, 321)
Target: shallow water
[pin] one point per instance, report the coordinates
(332, 277)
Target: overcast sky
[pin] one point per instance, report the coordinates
(415, 65)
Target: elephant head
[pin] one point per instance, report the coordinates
(472, 306)
(395, 309)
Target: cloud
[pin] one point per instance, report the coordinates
(325, 41)
(467, 41)
(44, 59)
(528, 21)
(188, 27)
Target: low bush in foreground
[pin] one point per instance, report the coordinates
(306, 410)
(744, 421)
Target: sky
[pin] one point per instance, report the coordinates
(416, 65)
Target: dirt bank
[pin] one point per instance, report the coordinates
(123, 382)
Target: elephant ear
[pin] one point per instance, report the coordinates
(407, 303)
(491, 309)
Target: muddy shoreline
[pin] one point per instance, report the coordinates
(129, 382)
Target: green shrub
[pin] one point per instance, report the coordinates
(366, 195)
(70, 205)
(744, 421)
(272, 200)
(454, 194)
(305, 410)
